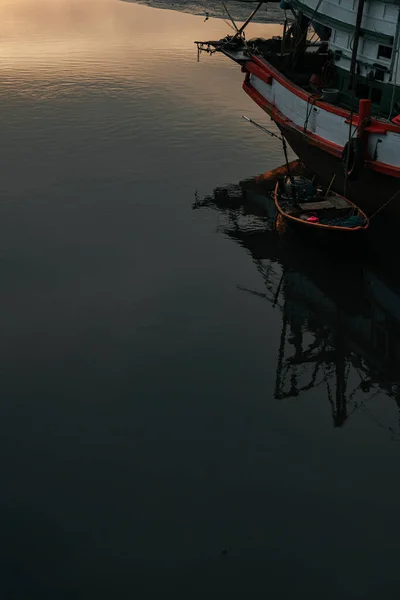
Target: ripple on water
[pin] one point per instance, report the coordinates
(140, 428)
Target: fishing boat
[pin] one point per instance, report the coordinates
(317, 211)
(331, 82)
(312, 208)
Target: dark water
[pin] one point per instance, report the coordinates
(176, 378)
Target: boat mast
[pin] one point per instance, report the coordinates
(240, 31)
(251, 17)
(229, 15)
(360, 12)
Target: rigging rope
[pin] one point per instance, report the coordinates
(311, 100)
(310, 21)
(351, 134)
(386, 203)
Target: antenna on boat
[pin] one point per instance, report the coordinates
(278, 137)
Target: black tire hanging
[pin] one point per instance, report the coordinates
(352, 158)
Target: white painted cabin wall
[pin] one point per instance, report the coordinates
(328, 126)
(378, 16)
(367, 54)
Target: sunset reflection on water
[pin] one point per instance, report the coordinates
(53, 34)
(141, 432)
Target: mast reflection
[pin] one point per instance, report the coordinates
(340, 316)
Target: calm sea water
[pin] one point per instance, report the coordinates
(191, 406)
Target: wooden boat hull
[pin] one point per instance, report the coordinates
(318, 132)
(321, 124)
(317, 232)
(370, 191)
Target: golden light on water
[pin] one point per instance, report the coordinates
(73, 35)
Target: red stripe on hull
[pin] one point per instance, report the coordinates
(251, 67)
(369, 192)
(311, 138)
(300, 93)
(278, 117)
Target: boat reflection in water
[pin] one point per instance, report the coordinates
(340, 317)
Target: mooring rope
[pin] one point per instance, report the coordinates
(386, 203)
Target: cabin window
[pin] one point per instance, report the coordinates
(376, 95)
(385, 52)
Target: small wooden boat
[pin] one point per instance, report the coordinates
(313, 209)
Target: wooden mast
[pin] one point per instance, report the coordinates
(360, 12)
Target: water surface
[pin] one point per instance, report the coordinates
(147, 309)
